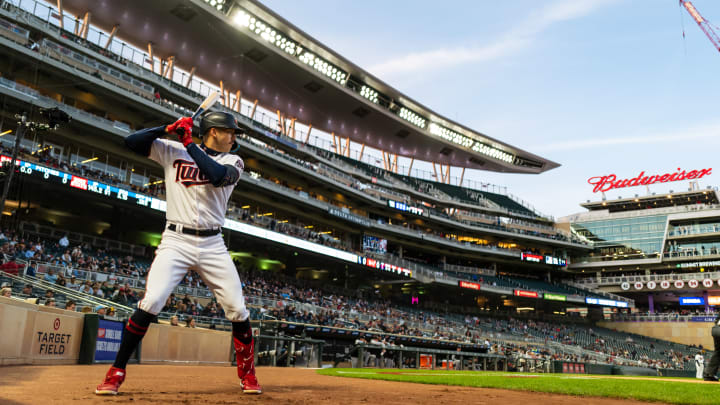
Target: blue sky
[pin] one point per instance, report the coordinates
(599, 86)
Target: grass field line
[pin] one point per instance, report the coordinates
(480, 374)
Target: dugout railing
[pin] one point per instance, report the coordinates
(375, 356)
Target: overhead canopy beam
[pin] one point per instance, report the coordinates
(238, 102)
(166, 66)
(346, 150)
(112, 35)
(85, 27)
(307, 137)
(190, 77)
(281, 122)
(222, 93)
(150, 60)
(60, 12)
(252, 113)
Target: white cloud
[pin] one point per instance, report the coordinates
(700, 132)
(517, 38)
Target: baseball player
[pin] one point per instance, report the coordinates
(699, 365)
(198, 182)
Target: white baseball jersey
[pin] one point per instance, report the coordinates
(699, 365)
(191, 200)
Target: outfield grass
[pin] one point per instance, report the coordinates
(677, 391)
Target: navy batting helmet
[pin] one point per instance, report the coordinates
(218, 119)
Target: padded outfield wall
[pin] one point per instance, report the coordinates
(688, 333)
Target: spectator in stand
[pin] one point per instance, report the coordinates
(6, 292)
(174, 321)
(30, 271)
(73, 284)
(70, 305)
(61, 280)
(64, 242)
(28, 291)
(50, 302)
(101, 310)
(87, 288)
(121, 297)
(50, 277)
(190, 322)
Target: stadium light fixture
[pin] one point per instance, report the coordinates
(218, 4)
(369, 93)
(450, 135)
(467, 142)
(89, 160)
(259, 28)
(6, 132)
(412, 117)
(493, 152)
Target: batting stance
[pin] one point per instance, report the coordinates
(198, 181)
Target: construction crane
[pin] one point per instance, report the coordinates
(702, 22)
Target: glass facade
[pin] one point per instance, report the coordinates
(624, 238)
(697, 228)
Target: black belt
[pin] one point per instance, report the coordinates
(196, 232)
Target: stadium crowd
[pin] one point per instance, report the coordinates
(275, 296)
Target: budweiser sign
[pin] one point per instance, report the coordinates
(610, 182)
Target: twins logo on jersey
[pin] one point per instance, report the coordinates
(187, 174)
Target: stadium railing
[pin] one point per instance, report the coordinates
(617, 280)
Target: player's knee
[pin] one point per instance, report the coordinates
(236, 311)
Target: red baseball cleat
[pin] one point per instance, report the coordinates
(113, 379)
(245, 356)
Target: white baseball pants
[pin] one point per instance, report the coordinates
(208, 256)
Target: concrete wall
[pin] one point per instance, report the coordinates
(34, 334)
(165, 343)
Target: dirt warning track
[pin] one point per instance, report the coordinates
(157, 384)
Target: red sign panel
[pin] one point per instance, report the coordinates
(79, 182)
(528, 294)
(532, 257)
(610, 182)
(469, 284)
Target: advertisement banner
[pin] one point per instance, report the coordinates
(692, 301)
(108, 340)
(528, 294)
(469, 284)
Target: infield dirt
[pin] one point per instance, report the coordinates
(158, 384)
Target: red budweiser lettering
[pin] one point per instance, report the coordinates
(609, 182)
(470, 285)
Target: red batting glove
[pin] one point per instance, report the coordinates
(184, 132)
(182, 121)
(183, 129)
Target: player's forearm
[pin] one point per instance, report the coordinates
(141, 141)
(219, 175)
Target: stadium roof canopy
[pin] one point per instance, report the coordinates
(708, 197)
(254, 50)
